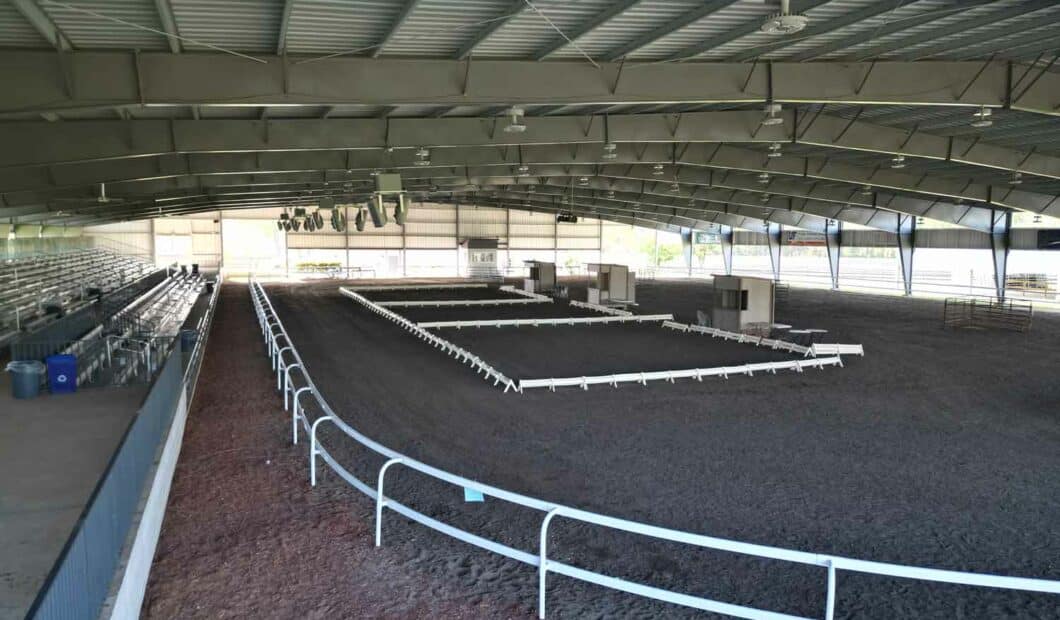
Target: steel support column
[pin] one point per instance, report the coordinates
(686, 248)
(1000, 242)
(833, 239)
(773, 235)
(906, 244)
(726, 247)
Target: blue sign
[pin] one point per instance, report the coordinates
(473, 495)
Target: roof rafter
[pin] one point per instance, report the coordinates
(617, 8)
(43, 23)
(169, 24)
(285, 22)
(513, 10)
(670, 27)
(399, 21)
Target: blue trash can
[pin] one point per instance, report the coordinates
(25, 378)
(62, 373)
(187, 339)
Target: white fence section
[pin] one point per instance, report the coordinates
(836, 349)
(672, 375)
(441, 343)
(273, 331)
(779, 345)
(570, 320)
(462, 302)
(599, 308)
(413, 287)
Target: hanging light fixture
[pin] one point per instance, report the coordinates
(1017, 178)
(785, 22)
(772, 117)
(764, 198)
(1037, 219)
(515, 120)
(610, 193)
(898, 161)
(763, 177)
(658, 170)
(523, 170)
(583, 181)
(675, 187)
(774, 150)
(982, 118)
(866, 190)
(423, 157)
(610, 151)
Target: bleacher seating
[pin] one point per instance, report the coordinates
(36, 290)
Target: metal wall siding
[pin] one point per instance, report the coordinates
(637, 21)
(15, 31)
(436, 28)
(528, 32)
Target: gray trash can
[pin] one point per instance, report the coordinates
(25, 378)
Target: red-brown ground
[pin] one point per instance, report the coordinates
(245, 536)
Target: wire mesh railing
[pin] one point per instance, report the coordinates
(278, 344)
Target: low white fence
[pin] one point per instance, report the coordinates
(569, 320)
(599, 308)
(273, 331)
(461, 302)
(673, 375)
(414, 287)
(836, 349)
(441, 343)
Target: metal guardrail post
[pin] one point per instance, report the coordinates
(287, 382)
(296, 413)
(279, 366)
(542, 557)
(380, 500)
(313, 449)
(829, 608)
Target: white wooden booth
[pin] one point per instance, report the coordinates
(611, 284)
(480, 257)
(742, 303)
(542, 276)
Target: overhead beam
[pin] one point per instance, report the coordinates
(617, 8)
(512, 10)
(285, 22)
(43, 24)
(169, 24)
(670, 27)
(152, 78)
(399, 21)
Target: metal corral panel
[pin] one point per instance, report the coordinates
(329, 26)
(15, 31)
(243, 25)
(438, 28)
(88, 32)
(527, 32)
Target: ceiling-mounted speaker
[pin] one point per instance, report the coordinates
(295, 225)
(377, 210)
(279, 224)
(326, 203)
(339, 222)
(318, 220)
(401, 211)
(287, 225)
(359, 221)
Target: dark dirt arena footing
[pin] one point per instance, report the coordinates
(246, 537)
(938, 449)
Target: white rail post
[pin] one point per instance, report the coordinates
(542, 566)
(313, 449)
(380, 501)
(287, 382)
(829, 606)
(296, 412)
(280, 368)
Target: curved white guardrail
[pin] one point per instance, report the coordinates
(273, 331)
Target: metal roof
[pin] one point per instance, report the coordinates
(647, 33)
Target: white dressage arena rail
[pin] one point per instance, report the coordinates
(441, 343)
(570, 320)
(599, 308)
(272, 330)
(836, 349)
(672, 375)
(413, 287)
(514, 301)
